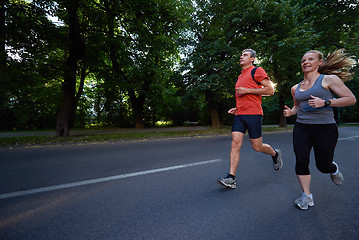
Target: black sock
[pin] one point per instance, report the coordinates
(275, 156)
(231, 176)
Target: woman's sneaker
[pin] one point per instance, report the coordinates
(338, 178)
(304, 201)
(227, 182)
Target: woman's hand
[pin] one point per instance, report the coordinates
(287, 111)
(316, 102)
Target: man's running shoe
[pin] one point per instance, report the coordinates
(227, 181)
(304, 201)
(338, 178)
(277, 160)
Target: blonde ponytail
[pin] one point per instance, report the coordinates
(337, 63)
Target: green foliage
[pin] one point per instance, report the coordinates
(170, 60)
(280, 31)
(30, 93)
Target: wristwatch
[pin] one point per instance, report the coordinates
(327, 102)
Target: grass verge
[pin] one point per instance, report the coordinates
(52, 140)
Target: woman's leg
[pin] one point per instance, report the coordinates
(302, 145)
(304, 181)
(324, 144)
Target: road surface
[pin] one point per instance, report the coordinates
(167, 189)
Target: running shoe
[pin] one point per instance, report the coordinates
(304, 201)
(277, 161)
(338, 178)
(227, 182)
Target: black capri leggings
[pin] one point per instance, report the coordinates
(323, 138)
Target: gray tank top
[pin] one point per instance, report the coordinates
(309, 115)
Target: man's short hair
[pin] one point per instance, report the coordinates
(253, 53)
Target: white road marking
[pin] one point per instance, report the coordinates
(348, 138)
(98, 180)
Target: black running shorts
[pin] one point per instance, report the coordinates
(252, 123)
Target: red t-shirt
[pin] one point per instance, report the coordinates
(250, 104)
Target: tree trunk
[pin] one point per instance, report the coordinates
(82, 84)
(112, 81)
(282, 118)
(137, 106)
(4, 118)
(3, 55)
(78, 94)
(213, 110)
(216, 123)
(76, 51)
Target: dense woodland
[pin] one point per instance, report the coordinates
(131, 63)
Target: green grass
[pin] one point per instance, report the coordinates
(95, 138)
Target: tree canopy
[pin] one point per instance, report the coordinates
(132, 63)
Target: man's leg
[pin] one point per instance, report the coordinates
(230, 180)
(254, 123)
(276, 154)
(237, 140)
(259, 146)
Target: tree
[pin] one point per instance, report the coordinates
(117, 63)
(211, 67)
(142, 45)
(337, 23)
(3, 60)
(28, 94)
(76, 49)
(283, 34)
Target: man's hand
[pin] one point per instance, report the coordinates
(241, 91)
(232, 111)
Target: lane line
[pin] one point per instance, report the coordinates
(105, 179)
(349, 138)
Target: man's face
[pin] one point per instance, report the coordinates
(246, 59)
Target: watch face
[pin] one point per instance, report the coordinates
(327, 103)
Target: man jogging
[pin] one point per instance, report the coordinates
(249, 114)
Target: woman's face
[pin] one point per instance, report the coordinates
(310, 62)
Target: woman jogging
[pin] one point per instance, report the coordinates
(315, 126)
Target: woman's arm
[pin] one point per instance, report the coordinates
(294, 110)
(336, 85)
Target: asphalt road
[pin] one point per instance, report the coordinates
(166, 189)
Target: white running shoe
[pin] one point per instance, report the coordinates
(338, 178)
(304, 201)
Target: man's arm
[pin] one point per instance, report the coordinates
(267, 89)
